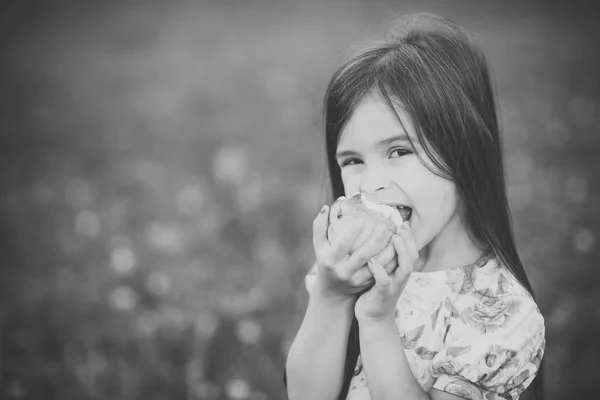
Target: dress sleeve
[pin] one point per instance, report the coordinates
(493, 350)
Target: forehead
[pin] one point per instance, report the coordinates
(372, 122)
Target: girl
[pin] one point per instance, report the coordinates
(411, 121)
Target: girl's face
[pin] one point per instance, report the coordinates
(376, 159)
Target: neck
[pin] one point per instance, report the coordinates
(453, 247)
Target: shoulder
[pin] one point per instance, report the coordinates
(495, 337)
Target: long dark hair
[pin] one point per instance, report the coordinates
(435, 71)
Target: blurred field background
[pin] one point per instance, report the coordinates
(161, 164)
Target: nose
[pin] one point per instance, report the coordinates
(374, 180)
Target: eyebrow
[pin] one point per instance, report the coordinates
(382, 143)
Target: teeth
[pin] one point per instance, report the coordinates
(405, 212)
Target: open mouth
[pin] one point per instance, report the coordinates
(405, 212)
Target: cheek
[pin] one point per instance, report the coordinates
(351, 183)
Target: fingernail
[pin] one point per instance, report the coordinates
(405, 225)
(323, 210)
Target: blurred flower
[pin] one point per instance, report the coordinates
(206, 324)
(248, 331)
(79, 193)
(123, 298)
(123, 260)
(87, 224)
(581, 110)
(237, 389)
(159, 283)
(576, 189)
(584, 240)
(168, 238)
(230, 165)
(190, 200)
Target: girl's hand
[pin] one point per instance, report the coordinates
(342, 274)
(379, 303)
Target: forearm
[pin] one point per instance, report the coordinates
(385, 363)
(315, 361)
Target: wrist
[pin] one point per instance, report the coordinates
(387, 322)
(324, 293)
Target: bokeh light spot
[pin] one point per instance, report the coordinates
(87, 224)
(249, 331)
(123, 260)
(584, 240)
(166, 238)
(230, 165)
(123, 298)
(237, 389)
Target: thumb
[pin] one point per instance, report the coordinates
(382, 280)
(320, 225)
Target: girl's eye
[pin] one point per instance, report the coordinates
(397, 153)
(350, 161)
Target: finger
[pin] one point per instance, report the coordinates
(405, 262)
(382, 280)
(380, 238)
(391, 266)
(320, 224)
(345, 240)
(363, 277)
(409, 239)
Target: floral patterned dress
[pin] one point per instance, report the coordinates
(472, 331)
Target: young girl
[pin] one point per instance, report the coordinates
(411, 121)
